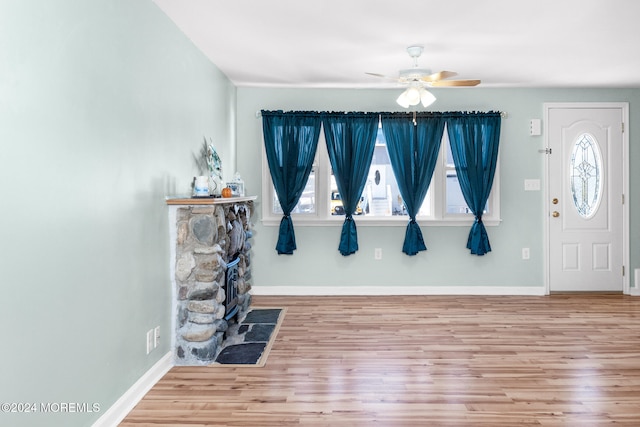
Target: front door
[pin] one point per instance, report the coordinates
(585, 190)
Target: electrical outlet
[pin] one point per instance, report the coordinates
(378, 253)
(156, 336)
(149, 340)
(525, 253)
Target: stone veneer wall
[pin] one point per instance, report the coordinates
(207, 239)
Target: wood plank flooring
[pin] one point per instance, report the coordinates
(559, 360)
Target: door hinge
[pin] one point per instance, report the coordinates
(622, 127)
(623, 199)
(623, 271)
(545, 151)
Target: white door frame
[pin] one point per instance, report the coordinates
(624, 106)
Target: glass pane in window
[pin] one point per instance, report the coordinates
(307, 202)
(449, 158)
(455, 199)
(585, 167)
(381, 195)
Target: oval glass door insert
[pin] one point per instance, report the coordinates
(586, 179)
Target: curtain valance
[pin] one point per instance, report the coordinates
(389, 114)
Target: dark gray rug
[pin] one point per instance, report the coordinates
(249, 340)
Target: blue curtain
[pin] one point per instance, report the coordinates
(413, 144)
(474, 139)
(351, 139)
(290, 140)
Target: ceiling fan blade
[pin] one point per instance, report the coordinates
(441, 75)
(383, 76)
(455, 83)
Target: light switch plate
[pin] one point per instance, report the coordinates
(531, 185)
(535, 127)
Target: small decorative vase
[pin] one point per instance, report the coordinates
(214, 185)
(201, 187)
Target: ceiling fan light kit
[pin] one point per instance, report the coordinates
(414, 96)
(419, 78)
(426, 97)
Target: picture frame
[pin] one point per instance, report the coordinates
(237, 188)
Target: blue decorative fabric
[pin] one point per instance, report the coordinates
(413, 144)
(291, 140)
(351, 139)
(474, 139)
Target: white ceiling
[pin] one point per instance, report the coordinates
(332, 43)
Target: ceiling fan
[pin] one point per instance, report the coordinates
(417, 78)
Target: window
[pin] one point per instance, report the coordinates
(381, 202)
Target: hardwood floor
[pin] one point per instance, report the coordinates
(560, 360)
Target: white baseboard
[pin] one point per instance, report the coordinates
(397, 290)
(119, 410)
(635, 291)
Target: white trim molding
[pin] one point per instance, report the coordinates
(396, 290)
(121, 408)
(635, 290)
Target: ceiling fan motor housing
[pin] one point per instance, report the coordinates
(412, 74)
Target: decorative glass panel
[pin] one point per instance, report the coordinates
(586, 179)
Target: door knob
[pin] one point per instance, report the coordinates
(555, 214)
(554, 201)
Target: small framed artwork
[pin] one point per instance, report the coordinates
(237, 188)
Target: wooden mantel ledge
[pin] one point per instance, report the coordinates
(185, 200)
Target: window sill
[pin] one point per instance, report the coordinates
(397, 221)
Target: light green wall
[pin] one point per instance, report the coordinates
(102, 105)
(447, 262)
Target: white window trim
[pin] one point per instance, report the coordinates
(322, 216)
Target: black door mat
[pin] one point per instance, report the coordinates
(241, 354)
(248, 343)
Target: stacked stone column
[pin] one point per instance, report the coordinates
(208, 237)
